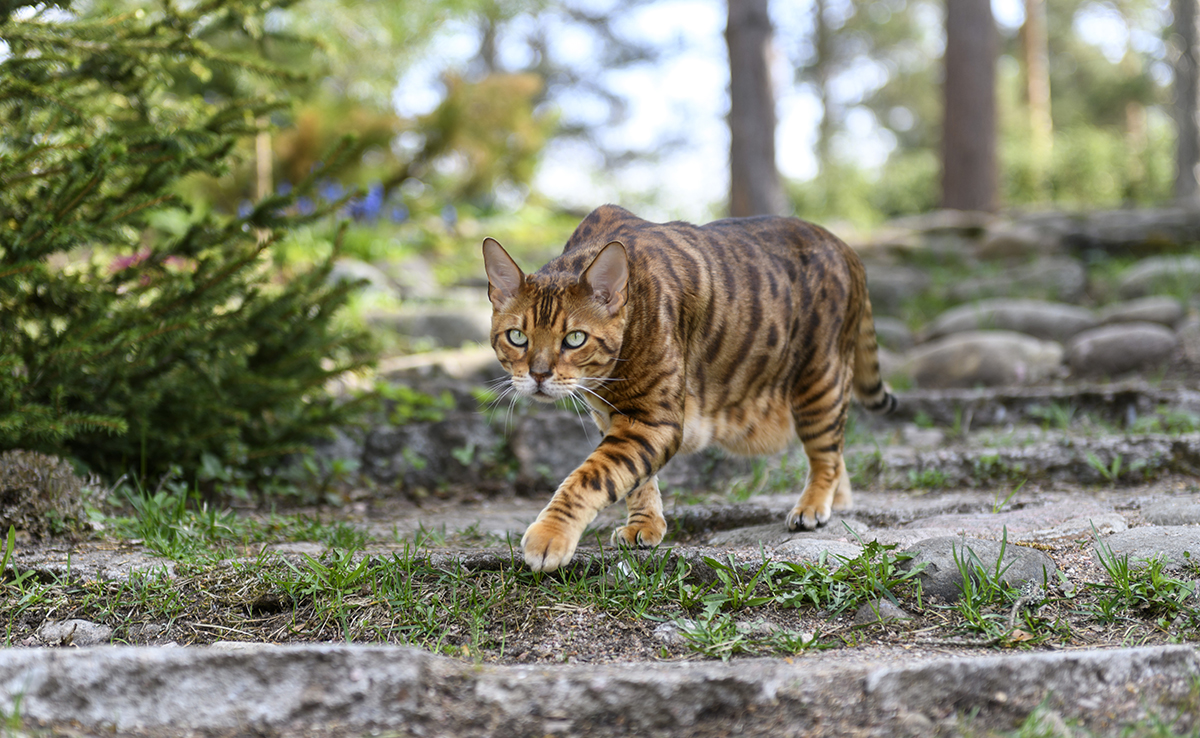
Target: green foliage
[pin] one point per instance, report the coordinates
(876, 572)
(1144, 589)
(141, 331)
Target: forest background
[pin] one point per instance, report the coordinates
(179, 179)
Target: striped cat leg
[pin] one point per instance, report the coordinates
(816, 502)
(843, 499)
(821, 426)
(645, 524)
(629, 455)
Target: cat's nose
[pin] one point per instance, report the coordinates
(540, 377)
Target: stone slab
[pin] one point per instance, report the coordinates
(1074, 519)
(344, 690)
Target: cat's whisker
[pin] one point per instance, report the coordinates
(601, 399)
(575, 401)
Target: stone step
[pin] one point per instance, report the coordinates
(1120, 403)
(346, 690)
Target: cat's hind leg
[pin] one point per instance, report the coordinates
(821, 424)
(645, 525)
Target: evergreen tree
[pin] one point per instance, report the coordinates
(138, 330)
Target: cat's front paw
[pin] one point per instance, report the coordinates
(548, 545)
(808, 517)
(645, 534)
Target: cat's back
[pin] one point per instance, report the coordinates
(775, 243)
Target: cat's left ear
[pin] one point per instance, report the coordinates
(504, 276)
(608, 276)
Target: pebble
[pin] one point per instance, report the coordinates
(74, 633)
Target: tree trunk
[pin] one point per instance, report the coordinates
(1037, 87)
(969, 180)
(822, 43)
(1187, 146)
(754, 184)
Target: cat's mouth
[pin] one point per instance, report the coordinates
(541, 395)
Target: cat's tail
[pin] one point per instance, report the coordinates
(869, 387)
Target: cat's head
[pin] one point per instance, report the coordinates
(557, 334)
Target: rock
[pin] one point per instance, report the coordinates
(1036, 523)
(1184, 511)
(1114, 349)
(880, 611)
(444, 326)
(1161, 274)
(1054, 278)
(942, 576)
(1046, 320)
(79, 633)
(353, 270)
(989, 358)
(1177, 544)
(669, 633)
(1189, 336)
(345, 689)
(913, 435)
(427, 455)
(963, 222)
(812, 549)
(893, 334)
(548, 446)
(1087, 461)
(1016, 240)
(1154, 309)
(890, 286)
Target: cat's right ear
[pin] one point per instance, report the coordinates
(504, 276)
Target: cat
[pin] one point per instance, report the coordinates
(745, 332)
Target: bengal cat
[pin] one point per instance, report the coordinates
(745, 332)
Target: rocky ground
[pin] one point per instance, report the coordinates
(1049, 435)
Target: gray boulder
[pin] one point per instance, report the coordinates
(1184, 511)
(426, 455)
(890, 286)
(1114, 349)
(1016, 240)
(893, 334)
(1050, 321)
(945, 558)
(1054, 277)
(1154, 309)
(1160, 274)
(1176, 544)
(988, 358)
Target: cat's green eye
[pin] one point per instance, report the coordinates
(575, 339)
(517, 338)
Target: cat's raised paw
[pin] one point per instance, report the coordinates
(646, 535)
(807, 517)
(547, 546)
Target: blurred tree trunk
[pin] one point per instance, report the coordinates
(969, 178)
(1187, 146)
(1036, 50)
(754, 184)
(822, 43)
